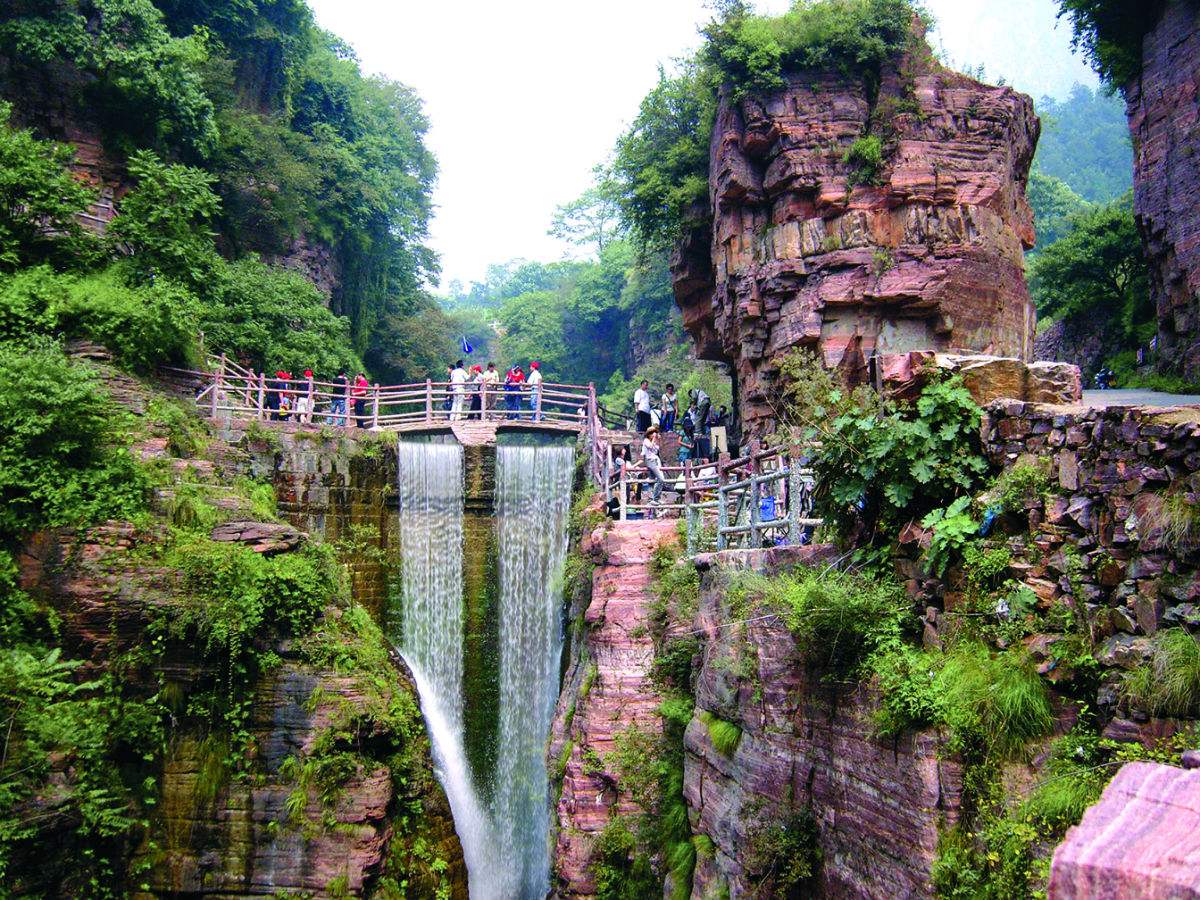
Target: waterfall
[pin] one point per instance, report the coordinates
(506, 840)
(533, 499)
(431, 546)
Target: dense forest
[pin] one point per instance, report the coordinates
(244, 132)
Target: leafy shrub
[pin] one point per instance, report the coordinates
(783, 856)
(39, 201)
(1110, 34)
(276, 319)
(672, 667)
(865, 158)
(58, 460)
(839, 618)
(142, 326)
(1026, 480)
(620, 871)
(993, 703)
(1169, 684)
(883, 462)
(952, 528)
(164, 222)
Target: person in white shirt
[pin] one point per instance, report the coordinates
(670, 408)
(653, 463)
(458, 386)
(641, 402)
(535, 388)
(491, 378)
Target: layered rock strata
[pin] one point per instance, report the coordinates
(609, 691)
(805, 745)
(1163, 107)
(1141, 841)
(808, 249)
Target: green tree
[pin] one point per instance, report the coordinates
(164, 221)
(1085, 143)
(1054, 206)
(1098, 265)
(39, 201)
(1110, 32)
(593, 218)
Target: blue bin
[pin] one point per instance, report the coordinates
(766, 509)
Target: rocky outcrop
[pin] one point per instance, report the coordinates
(926, 253)
(612, 691)
(987, 378)
(1163, 107)
(1141, 840)
(805, 744)
(315, 260)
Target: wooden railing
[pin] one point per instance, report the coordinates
(763, 498)
(229, 389)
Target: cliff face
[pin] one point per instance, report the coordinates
(336, 794)
(806, 745)
(1163, 106)
(809, 248)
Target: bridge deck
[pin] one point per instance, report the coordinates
(475, 433)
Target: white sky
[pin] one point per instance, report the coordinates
(526, 96)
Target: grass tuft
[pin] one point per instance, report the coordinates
(725, 736)
(1169, 684)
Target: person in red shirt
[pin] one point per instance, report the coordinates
(512, 391)
(359, 394)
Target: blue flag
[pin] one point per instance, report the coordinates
(466, 348)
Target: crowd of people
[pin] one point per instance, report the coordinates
(288, 398)
(470, 389)
(695, 427)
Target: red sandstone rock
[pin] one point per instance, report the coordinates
(878, 804)
(931, 259)
(261, 537)
(621, 694)
(1140, 840)
(1163, 106)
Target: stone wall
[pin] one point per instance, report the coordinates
(1163, 107)
(805, 744)
(927, 256)
(1099, 539)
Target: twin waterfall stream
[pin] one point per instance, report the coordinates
(487, 665)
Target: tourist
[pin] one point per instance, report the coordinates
(653, 464)
(641, 403)
(687, 445)
(337, 405)
(476, 387)
(670, 408)
(535, 389)
(701, 405)
(458, 390)
(491, 378)
(723, 417)
(620, 469)
(512, 391)
(359, 395)
(275, 395)
(303, 412)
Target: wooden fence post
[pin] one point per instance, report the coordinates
(428, 400)
(217, 379)
(722, 507)
(794, 490)
(375, 409)
(624, 491)
(689, 503)
(755, 496)
(262, 394)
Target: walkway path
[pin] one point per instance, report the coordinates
(1138, 397)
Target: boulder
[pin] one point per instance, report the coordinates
(1140, 841)
(261, 537)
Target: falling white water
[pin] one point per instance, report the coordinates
(431, 545)
(533, 499)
